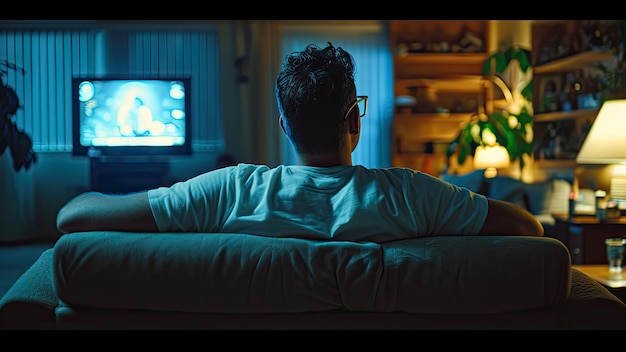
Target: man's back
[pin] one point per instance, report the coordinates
(340, 203)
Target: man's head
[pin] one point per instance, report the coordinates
(316, 97)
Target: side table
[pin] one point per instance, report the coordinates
(614, 282)
(584, 235)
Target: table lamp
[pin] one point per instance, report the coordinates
(491, 158)
(606, 144)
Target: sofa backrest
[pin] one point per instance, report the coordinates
(239, 273)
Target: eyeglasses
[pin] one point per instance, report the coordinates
(361, 102)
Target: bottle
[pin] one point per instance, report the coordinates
(572, 204)
(600, 204)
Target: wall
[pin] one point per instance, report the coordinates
(513, 31)
(58, 177)
(17, 193)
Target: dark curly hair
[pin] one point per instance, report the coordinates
(314, 89)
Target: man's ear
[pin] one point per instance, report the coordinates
(282, 124)
(354, 121)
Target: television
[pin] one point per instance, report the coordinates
(130, 116)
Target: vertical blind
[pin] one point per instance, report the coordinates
(192, 54)
(51, 58)
(373, 77)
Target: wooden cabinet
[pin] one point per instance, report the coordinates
(438, 64)
(567, 88)
(115, 175)
(584, 236)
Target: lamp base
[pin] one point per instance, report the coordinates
(491, 172)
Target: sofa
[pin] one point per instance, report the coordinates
(223, 281)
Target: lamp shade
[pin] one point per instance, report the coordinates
(606, 141)
(491, 156)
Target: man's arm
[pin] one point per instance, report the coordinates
(505, 218)
(93, 211)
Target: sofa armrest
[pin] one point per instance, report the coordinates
(608, 311)
(30, 302)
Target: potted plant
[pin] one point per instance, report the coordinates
(510, 122)
(18, 142)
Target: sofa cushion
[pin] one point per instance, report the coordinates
(29, 304)
(539, 196)
(474, 181)
(238, 273)
(559, 199)
(508, 189)
(547, 197)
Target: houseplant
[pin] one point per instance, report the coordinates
(18, 142)
(509, 122)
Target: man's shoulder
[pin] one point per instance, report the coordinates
(401, 176)
(401, 171)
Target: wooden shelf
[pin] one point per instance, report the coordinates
(440, 59)
(451, 84)
(433, 64)
(450, 80)
(434, 117)
(573, 62)
(413, 130)
(555, 163)
(564, 115)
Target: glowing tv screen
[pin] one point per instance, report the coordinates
(128, 116)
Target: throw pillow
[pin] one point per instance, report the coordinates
(474, 181)
(539, 195)
(508, 189)
(559, 200)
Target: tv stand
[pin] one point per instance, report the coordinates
(124, 174)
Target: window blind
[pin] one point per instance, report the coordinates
(49, 59)
(193, 54)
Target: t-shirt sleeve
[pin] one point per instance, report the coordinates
(453, 210)
(195, 205)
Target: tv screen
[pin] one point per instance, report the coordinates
(131, 116)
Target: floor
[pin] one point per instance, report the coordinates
(15, 259)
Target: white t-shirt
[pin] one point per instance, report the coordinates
(350, 203)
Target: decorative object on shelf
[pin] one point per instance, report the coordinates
(606, 144)
(560, 42)
(610, 35)
(469, 42)
(405, 103)
(618, 184)
(491, 158)
(510, 123)
(557, 142)
(18, 142)
(603, 34)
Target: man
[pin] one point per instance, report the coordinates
(323, 196)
